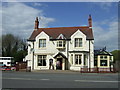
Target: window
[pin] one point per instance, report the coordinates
(42, 43)
(1, 62)
(41, 60)
(103, 57)
(95, 62)
(78, 42)
(8, 63)
(110, 57)
(71, 58)
(61, 43)
(103, 62)
(78, 59)
(85, 61)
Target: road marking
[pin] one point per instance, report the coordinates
(44, 79)
(96, 81)
(26, 79)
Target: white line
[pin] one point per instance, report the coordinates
(25, 79)
(44, 79)
(96, 81)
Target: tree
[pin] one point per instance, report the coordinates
(116, 54)
(12, 46)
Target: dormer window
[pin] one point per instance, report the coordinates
(42, 43)
(78, 42)
(60, 44)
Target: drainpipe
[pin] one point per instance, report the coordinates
(67, 52)
(89, 56)
(67, 48)
(33, 57)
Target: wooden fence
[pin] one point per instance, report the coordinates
(21, 65)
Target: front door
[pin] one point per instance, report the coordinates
(59, 64)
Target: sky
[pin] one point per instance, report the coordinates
(18, 18)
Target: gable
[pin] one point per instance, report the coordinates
(42, 35)
(79, 34)
(61, 36)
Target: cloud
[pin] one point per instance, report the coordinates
(37, 4)
(103, 5)
(106, 36)
(18, 19)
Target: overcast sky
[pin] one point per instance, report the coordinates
(18, 18)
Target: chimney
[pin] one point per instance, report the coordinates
(90, 21)
(36, 24)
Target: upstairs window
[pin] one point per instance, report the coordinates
(60, 44)
(42, 43)
(103, 57)
(78, 42)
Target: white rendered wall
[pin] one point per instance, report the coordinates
(50, 50)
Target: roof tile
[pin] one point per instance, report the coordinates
(66, 31)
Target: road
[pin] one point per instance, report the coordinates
(58, 80)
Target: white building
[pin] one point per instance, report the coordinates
(69, 48)
(6, 61)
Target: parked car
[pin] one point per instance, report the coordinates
(2, 68)
(13, 68)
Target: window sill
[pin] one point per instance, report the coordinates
(60, 47)
(42, 48)
(78, 47)
(77, 65)
(42, 66)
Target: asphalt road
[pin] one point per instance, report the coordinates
(58, 80)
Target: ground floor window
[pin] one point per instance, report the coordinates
(103, 62)
(78, 59)
(95, 62)
(85, 60)
(41, 60)
(71, 58)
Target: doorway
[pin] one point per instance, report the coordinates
(59, 64)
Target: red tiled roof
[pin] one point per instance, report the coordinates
(66, 31)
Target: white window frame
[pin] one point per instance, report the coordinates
(40, 59)
(78, 42)
(62, 42)
(79, 56)
(42, 43)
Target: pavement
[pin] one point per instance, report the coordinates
(55, 71)
(60, 71)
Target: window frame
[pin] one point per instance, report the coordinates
(105, 64)
(78, 42)
(79, 59)
(42, 43)
(61, 44)
(42, 59)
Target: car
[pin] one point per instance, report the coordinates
(13, 68)
(8, 68)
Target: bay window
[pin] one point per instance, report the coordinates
(60, 44)
(103, 62)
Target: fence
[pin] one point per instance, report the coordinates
(21, 65)
(97, 70)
